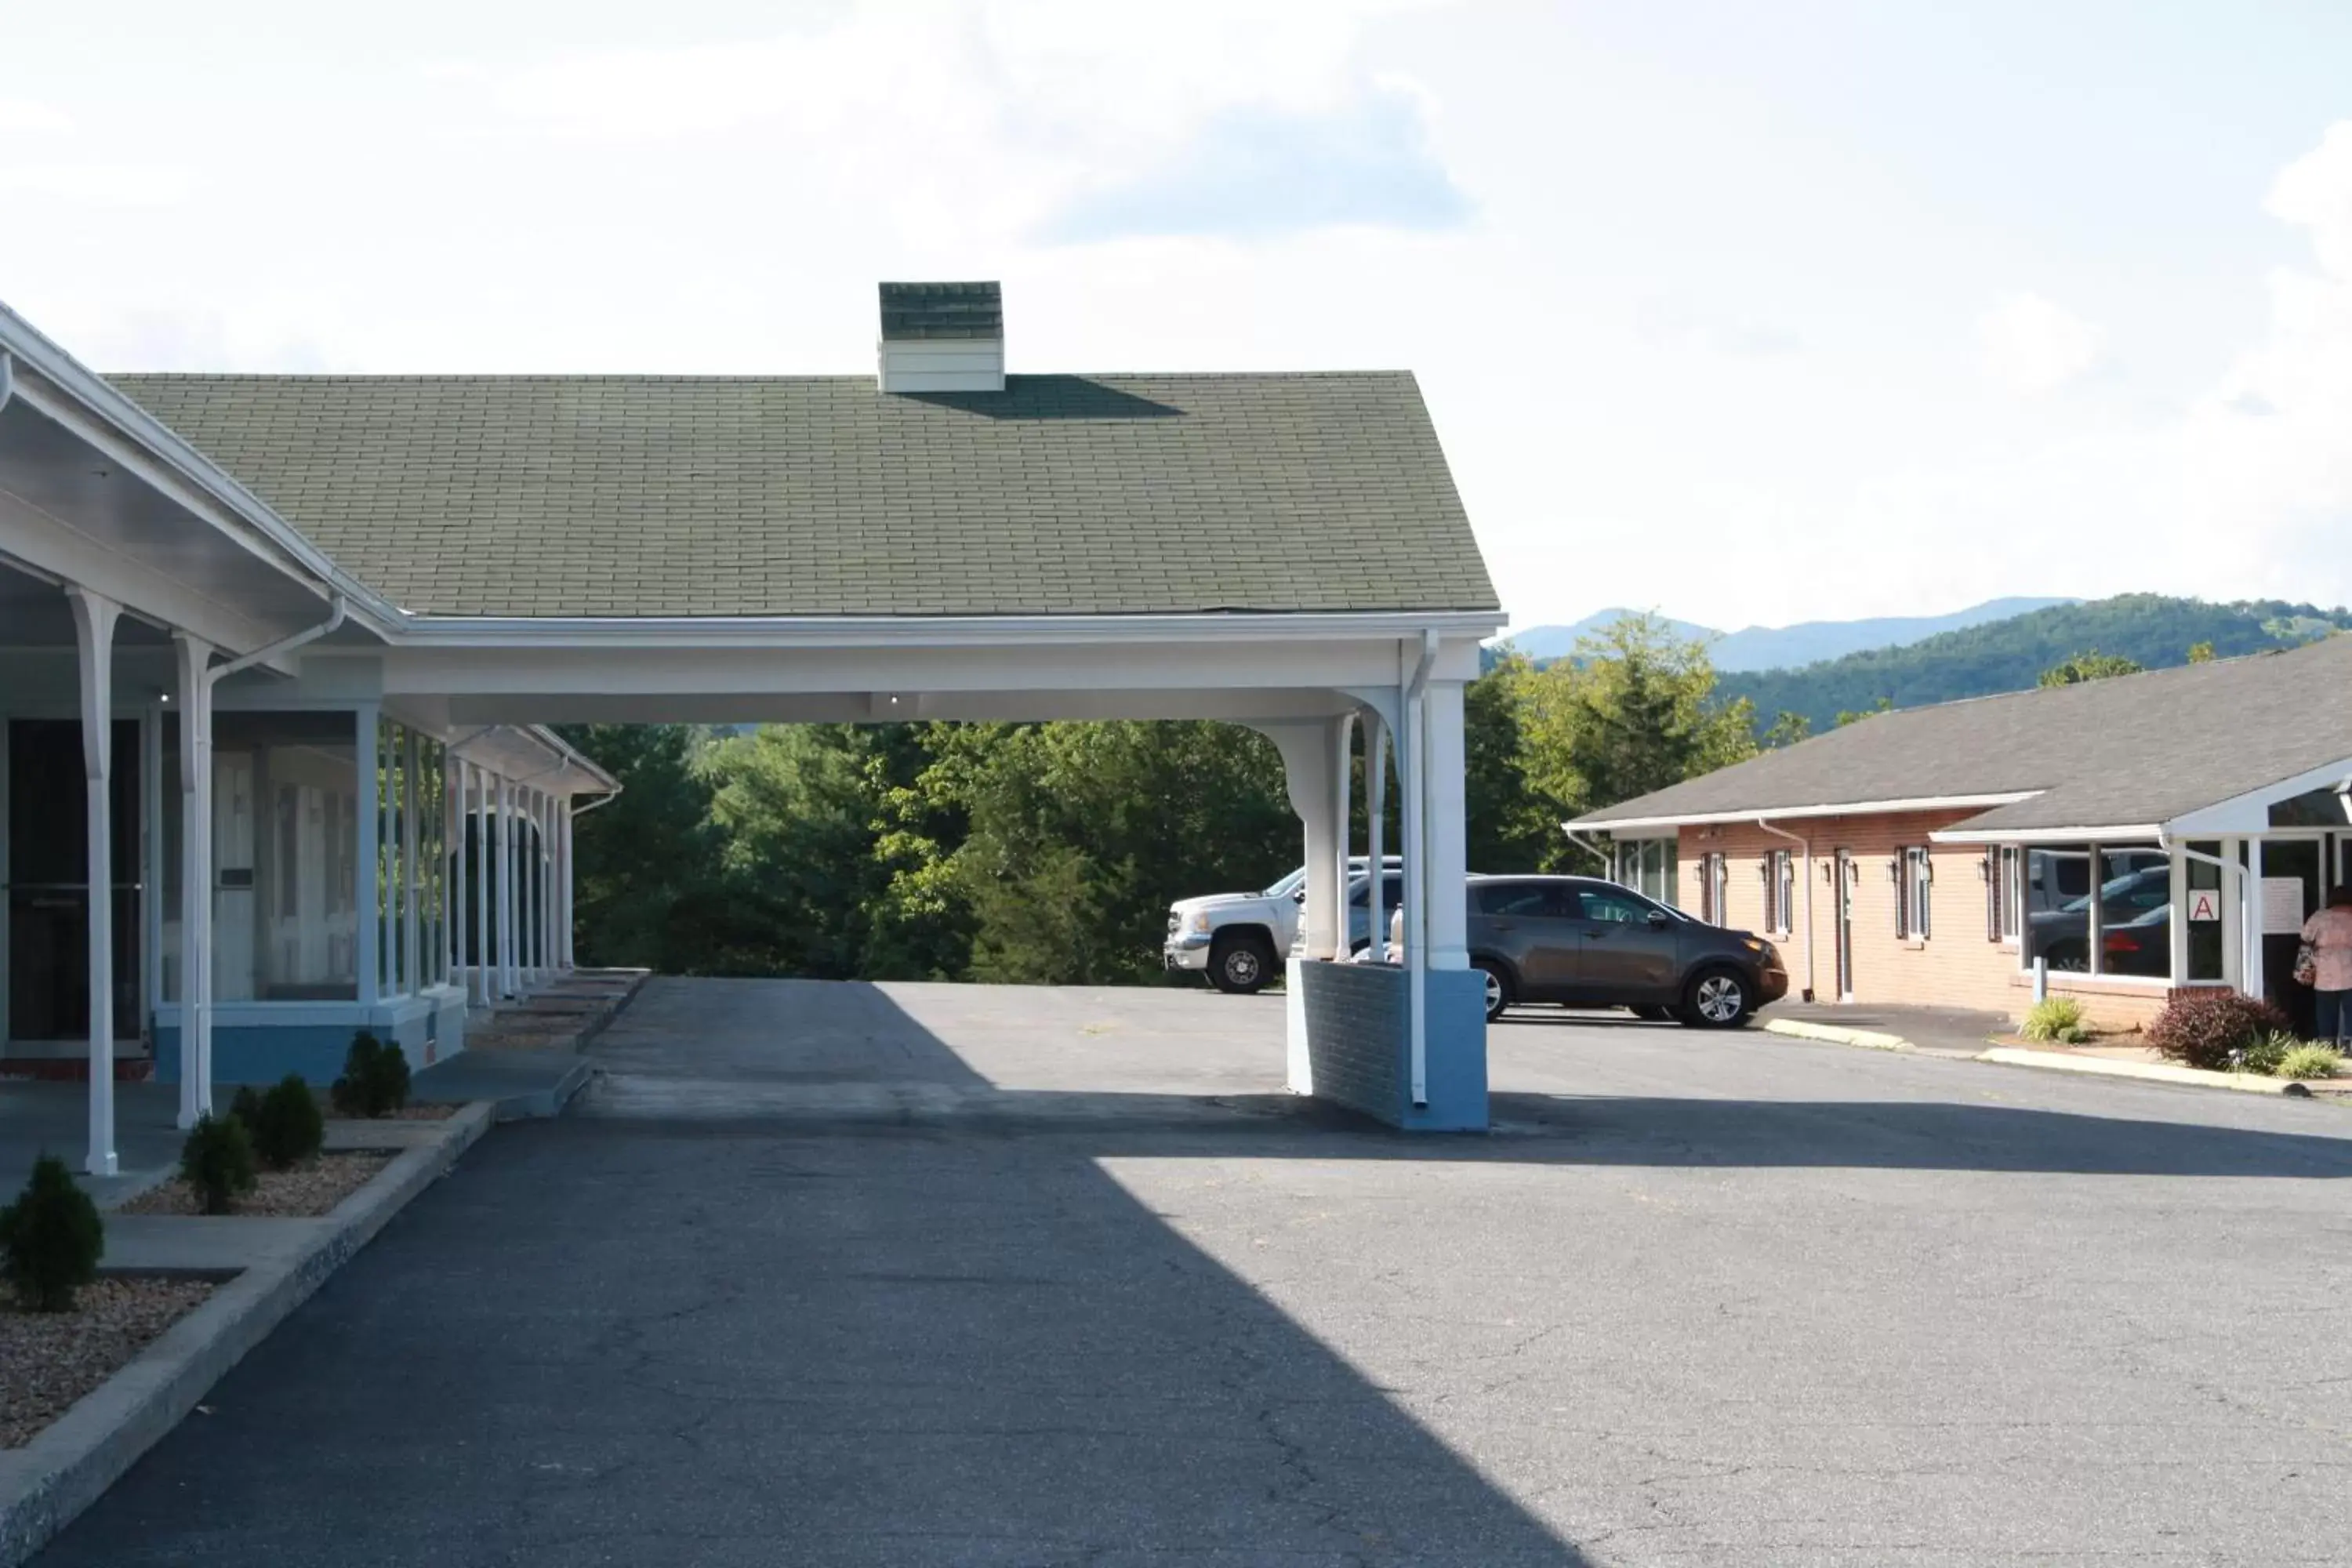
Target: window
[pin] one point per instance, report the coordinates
(2135, 913)
(1527, 900)
(2103, 908)
(1714, 877)
(1915, 876)
(1607, 907)
(2007, 864)
(1779, 892)
(2205, 955)
(1649, 867)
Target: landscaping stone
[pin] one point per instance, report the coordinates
(313, 1188)
(48, 1360)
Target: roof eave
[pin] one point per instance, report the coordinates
(1791, 813)
(930, 631)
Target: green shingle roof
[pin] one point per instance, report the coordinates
(823, 496)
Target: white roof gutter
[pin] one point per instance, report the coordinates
(1827, 808)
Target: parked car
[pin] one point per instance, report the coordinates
(1237, 940)
(1590, 943)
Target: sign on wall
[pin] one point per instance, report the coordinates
(2204, 903)
(2281, 906)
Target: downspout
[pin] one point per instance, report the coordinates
(1417, 922)
(1807, 845)
(1589, 847)
(284, 644)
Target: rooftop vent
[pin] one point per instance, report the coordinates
(942, 337)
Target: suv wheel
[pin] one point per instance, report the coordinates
(1498, 988)
(1717, 999)
(1241, 965)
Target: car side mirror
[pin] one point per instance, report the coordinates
(1298, 895)
(1659, 919)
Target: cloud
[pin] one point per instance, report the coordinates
(1255, 172)
(23, 117)
(2033, 347)
(100, 185)
(1669, 324)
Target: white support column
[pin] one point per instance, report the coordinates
(412, 918)
(1376, 768)
(565, 952)
(2233, 926)
(371, 887)
(195, 877)
(2176, 921)
(1342, 798)
(94, 618)
(1320, 918)
(479, 979)
(509, 982)
(2255, 979)
(1412, 773)
(1446, 838)
(546, 867)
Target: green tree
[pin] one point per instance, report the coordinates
(2201, 652)
(1787, 730)
(1633, 709)
(1507, 827)
(646, 888)
(1856, 715)
(2090, 666)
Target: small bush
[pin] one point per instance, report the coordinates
(2211, 1027)
(2058, 1018)
(375, 1078)
(286, 1125)
(2309, 1061)
(246, 1106)
(2264, 1055)
(50, 1238)
(217, 1162)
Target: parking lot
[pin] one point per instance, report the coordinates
(843, 1274)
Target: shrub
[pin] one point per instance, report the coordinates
(2056, 1018)
(286, 1125)
(2211, 1026)
(217, 1160)
(50, 1238)
(2264, 1055)
(2310, 1061)
(375, 1078)
(246, 1106)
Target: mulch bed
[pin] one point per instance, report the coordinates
(306, 1190)
(437, 1113)
(48, 1360)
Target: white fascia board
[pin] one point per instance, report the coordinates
(1786, 813)
(86, 404)
(929, 631)
(2110, 833)
(533, 754)
(2249, 812)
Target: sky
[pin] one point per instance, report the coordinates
(1752, 314)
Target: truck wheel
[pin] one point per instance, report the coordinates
(1241, 965)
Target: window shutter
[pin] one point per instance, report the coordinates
(1902, 895)
(1992, 892)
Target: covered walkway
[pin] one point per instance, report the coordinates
(296, 642)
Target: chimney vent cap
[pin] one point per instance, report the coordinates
(914, 312)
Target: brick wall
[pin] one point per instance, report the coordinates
(1953, 967)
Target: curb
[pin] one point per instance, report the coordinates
(543, 1103)
(50, 1480)
(1871, 1040)
(2150, 1072)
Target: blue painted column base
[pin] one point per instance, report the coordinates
(1357, 1023)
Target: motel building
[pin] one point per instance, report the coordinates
(2129, 838)
(278, 655)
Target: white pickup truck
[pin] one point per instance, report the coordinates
(1238, 939)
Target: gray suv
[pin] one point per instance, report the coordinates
(1590, 943)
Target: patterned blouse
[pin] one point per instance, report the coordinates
(2329, 932)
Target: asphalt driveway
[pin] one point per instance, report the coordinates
(830, 1274)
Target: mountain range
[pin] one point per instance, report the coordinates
(1782, 647)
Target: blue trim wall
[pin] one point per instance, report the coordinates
(1358, 1020)
(264, 1053)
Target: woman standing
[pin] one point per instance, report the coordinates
(2328, 936)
